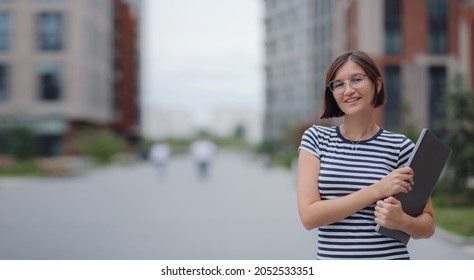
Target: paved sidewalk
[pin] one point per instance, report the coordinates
(443, 246)
(242, 211)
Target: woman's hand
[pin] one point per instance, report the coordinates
(389, 213)
(399, 180)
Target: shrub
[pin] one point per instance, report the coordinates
(99, 144)
(18, 142)
(460, 137)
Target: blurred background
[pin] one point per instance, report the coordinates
(140, 87)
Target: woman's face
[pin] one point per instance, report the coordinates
(353, 90)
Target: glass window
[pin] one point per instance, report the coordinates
(392, 82)
(393, 27)
(50, 31)
(5, 30)
(50, 84)
(49, 145)
(437, 94)
(438, 26)
(4, 79)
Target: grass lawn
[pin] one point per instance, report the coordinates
(456, 220)
(19, 169)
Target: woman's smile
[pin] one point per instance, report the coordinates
(352, 100)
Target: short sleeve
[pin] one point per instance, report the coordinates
(406, 148)
(310, 142)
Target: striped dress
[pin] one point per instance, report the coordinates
(347, 167)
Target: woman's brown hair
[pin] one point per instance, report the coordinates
(330, 107)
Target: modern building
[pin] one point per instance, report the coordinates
(58, 71)
(136, 7)
(297, 50)
(418, 45)
(234, 121)
(161, 123)
(466, 40)
(126, 88)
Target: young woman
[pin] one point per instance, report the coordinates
(348, 174)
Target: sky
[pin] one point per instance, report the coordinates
(199, 54)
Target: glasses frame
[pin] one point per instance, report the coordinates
(344, 81)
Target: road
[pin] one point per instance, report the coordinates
(243, 211)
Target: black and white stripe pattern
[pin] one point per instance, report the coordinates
(346, 168)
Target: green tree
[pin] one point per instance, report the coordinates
(100, 144)
(20, 143)
(460, 137)
(240, 132)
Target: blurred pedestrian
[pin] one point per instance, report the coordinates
(203, 150)
(348, 174)
(159, 155)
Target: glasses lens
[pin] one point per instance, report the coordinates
(339, 86)
(336, 86)
(357, 80)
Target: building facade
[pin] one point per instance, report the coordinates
(126, 88)
(297, 49)
(234, 121)
(160, 123)
(418, 45)
(57, 68)
(466, 40)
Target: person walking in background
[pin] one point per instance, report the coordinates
(159, 155)
(203, 151)
(348, 174)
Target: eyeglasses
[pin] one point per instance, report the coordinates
(339, 86)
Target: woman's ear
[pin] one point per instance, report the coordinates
(378, 84)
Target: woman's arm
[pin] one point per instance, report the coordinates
(389, 214)
(315, 212)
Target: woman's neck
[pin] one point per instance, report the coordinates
(358, 128)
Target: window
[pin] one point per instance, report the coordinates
(437, 94)
(50, 31)
(4, 79)
(393, 27)
(392, 107)
(50, 85)
(5, 31)
(438, 26)
(49, 145)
